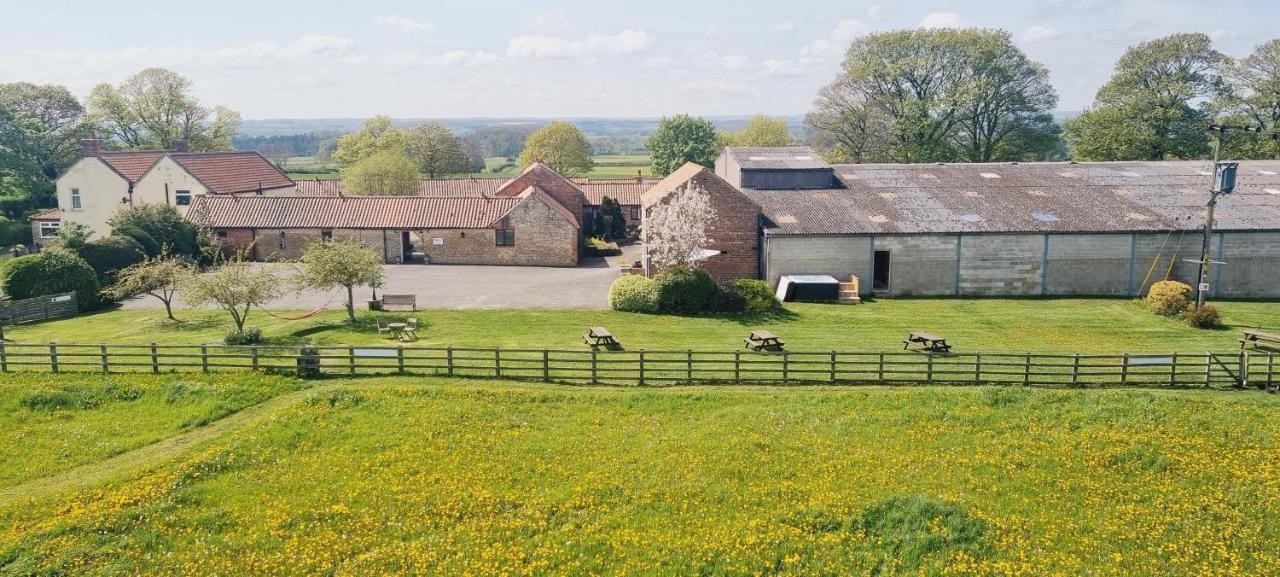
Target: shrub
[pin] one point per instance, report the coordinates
(163, 224)
(758, 297)
(249, 336)
(683, 290)
(149, 245)
(110, 255)
(1168, 297)
(633, 293)
(728, 299)
(50, 272)
(1205, 317)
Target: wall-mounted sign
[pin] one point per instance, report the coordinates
(437, 241)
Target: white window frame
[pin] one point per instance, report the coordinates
(75, 199)
(50, 225)
(178, 195)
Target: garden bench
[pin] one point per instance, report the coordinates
(929, 342)
(601, 337)
(410, 301)
(1260, 340)
(760, 340)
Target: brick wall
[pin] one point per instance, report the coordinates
(550, 182)
(734, 231)
(543, 238)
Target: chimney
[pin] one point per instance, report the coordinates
(90, 147)
(179, 145)
(639, 176)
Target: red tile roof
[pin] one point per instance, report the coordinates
(399, 212)
(48, 214)
(222, 172)
(625, 190)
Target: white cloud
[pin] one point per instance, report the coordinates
(550, 23)
(403, 24)
(717, 86)
(942, 20)
(836, 42)
(544, 47)
(478, 59)
(1040, 33)
(657, 62)
(875, 11)
(784, 27)
(730, 61)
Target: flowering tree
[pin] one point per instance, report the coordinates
(344, 263)
(234, 287)
(158, 277)
(675, 232)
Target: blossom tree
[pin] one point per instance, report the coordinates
(675, 231)
(234, 287)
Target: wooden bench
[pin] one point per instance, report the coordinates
(601, 337)
(763, 341)
(928, 342)
(1260, 340)
(410, 301)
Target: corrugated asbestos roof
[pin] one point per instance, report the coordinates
(776, 158)
(625, 191)
(1027, 197)
(396, 212)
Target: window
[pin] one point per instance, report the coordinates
(75, 199)
(282, 240)
(506, 237)
(222, 235)
(326, 235)
(49, 229)
(880, 271)
(182, 197)
(635, 213)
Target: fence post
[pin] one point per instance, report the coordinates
(1271, 365)
(53, 356)
(880, 369)
(448, 351)
(786, 367)
(4, 358)
(833, 367)
(1208, 366)
(1026, 370)
(351, 358)
(204, 358)
(642, 367)
(1124, 369)
(102, 352)
(929, 367)
(688, 366)
(155, 360)
(593, 366)
(1075, 369)
(400, 358)
(977, 369)
(1173, 370)
(737, 366)
(546, 365)
(1243, 380)
(497, 363)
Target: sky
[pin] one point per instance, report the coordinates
(562, 58)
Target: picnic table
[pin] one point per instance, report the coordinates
(1260, 340)
(601, 337)
(761, 340)
(929, 342)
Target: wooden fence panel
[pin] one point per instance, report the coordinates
(14, 312)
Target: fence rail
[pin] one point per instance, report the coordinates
(641, 367)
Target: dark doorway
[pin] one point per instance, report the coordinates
(880, 271)
(406, 246)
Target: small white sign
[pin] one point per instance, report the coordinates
(60, 299)
(384, 353)
(1204, 286)
(437, 241)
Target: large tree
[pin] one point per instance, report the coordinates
(56, 123)
(680, 139)
(436, 151)
(378, 134)
(346, 263)
(155, 108)
(1156, 104)
(1253, 98)
(561, 146)
(386, 172)
(936, 95)
(761, 130)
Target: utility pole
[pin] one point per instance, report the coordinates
(1224, 181)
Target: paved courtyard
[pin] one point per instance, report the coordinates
(469, 287)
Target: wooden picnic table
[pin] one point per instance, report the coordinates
(929, 342)
(1260, 340)
(600, 337)
(761, 340)
(397, 329)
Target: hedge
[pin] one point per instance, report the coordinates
(684, 290)
(148, 244)
(633, 293)
(50, 272)
(1168, 298)
(163, 224)
(109, 255)
(756, 296)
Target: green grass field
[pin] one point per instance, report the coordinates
(607, 166)
(985, 325)
(404, 476)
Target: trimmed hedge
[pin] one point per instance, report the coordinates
(756, 296)
(1168, 298)
(110, 255)
(50, 272)
(148, 244)
(164, 225)
(684, 290)
(633, 293)
(728, 299)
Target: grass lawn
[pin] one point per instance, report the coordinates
(50, 425)
(398, 476)
(607, 166)
(988, 325)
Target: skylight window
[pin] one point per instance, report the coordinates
(1045, 217)
(804, 158)
(1132, 174)
(1205, 173)
(970, 218)
(1267, 172)
(990, 175)
(1271, 191)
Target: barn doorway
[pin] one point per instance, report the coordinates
(880, 271)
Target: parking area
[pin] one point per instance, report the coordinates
(469, 287)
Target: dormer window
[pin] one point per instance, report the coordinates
(75, 199)
(182, 197)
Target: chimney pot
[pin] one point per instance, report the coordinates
(90, 147)
(180, 145)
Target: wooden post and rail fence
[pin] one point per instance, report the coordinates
(641, 367)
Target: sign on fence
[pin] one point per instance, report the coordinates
(14, 312)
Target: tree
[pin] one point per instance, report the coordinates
(158, 277)
(50, 272)
(108, 256)
(168, 229)
(760, 131)
(235, 287)
(378, 134)
(278, 154)
(613, 224)
(388, 172)
(680, 139)
(436, 151)
(155, 108)
(675, 231)
(561, 146)
(1253, 97)
(56, 123)
(347, 264)
(930, 95)
(1153, 107)
(73, 235)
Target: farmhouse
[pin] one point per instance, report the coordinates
(1009, 229)
(97, 185)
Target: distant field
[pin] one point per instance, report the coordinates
(607, 166)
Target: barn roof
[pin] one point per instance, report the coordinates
(625, 190)
(1026, 197)
(339, 212)
(776, 158)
